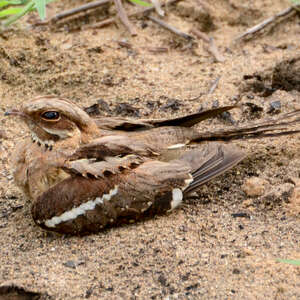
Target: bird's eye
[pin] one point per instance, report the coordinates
(51, 115)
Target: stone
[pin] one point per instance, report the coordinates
(247, 203)
(70, 264)
(254, 186)
(278, 194)
(199, 13)
(275, 107)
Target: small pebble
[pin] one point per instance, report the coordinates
(3, 134)
(70, 264)
(248, 202)
(275, 107)
(93, 110)
(241, 215)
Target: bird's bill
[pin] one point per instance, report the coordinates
(14, 112)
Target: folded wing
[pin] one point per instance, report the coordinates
(82, 204)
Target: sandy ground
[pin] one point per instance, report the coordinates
(223, 243)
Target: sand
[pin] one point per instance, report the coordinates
(222, 243)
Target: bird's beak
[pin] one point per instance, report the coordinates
(14, 112)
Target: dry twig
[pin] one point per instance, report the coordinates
(101, 24)
(214, 85)
(143, 11)
(158, 8)
(124, 18)
(284, 13)
(73, 11)
(196, 98)
(212, 48)
(157, 49)
(171, 28)
(124, 44)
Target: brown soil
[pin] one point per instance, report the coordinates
(206, 249)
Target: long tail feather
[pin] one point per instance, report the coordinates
(119, 123)
(268, 128)
(192, 119)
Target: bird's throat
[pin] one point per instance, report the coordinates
(48, 144)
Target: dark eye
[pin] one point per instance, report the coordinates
(50, 115)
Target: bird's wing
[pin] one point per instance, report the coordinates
(90, 168)
(113, 145)
(210, 160)
(122, 124)
(108, 155)
(79, 205)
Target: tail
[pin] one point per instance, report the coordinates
(192, 119)
(267, 128)
(209, 161)
(213, 159)
(125, 124)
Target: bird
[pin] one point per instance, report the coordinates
(83, 174)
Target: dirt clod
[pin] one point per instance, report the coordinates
(254, 186)
(295, 201)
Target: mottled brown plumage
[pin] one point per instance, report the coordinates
(83, 174)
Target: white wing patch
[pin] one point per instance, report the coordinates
(188, 182)
(176, 198)
(80, 210)
(176, 146)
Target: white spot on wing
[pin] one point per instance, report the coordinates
(81, 209)
(176, 146)
(188, 182)
(177, 197)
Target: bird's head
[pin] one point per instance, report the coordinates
(53, 120)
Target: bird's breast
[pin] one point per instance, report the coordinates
(37, 168)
